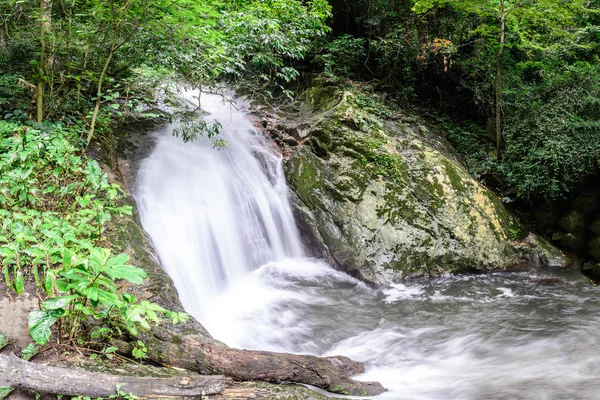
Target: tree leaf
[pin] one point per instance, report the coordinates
(40, 323)
(127, 272)
(58, 303)
(91, 293)
(29, 351)
(5, 391)
(108, 298)
(19, 284)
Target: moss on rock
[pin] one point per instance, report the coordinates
(387, 201)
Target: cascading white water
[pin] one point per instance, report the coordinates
(222, 226)
(215, 215)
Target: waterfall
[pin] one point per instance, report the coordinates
(222, 226)
(215, 214)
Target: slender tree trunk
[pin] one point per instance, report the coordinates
(99, 91)
(498, 88)
(45, 21)
(2, 41)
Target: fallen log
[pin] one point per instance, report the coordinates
(21, 374)
(206, 356)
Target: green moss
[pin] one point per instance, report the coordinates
(306, 176)
(428, 192)
(396, 207)
(322, 98)
(454, 175)
(340, 390)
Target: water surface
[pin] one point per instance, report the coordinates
(223, 229)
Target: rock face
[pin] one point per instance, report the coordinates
(387, 199)
(575, 225)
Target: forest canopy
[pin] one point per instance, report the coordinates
(496, 71)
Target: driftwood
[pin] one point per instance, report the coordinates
(17, 373)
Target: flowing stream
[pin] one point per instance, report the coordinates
(223, 229)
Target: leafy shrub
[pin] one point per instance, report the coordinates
(553, 131)
(345, 56)
(54, 207)
(271, 35)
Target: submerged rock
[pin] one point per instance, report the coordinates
(388, 199)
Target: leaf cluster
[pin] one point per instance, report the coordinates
(55, 206)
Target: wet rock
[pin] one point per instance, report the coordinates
(593, 247)
(384, 200)
(573, 221)
(570, 241)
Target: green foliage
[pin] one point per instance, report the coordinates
(270, 35)
(122, 394)
(344, 56)
(450, 52)
(107, 352)
(139, 351)
(29, 351)
(55, 205)
(5, 391)
(553, 130)
(192, 129)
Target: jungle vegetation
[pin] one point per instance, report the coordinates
(513, 84)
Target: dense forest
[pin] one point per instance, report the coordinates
(512, 85)
(499, 70)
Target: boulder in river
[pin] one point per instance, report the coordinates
(383, 197)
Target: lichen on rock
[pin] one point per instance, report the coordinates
(385, 200)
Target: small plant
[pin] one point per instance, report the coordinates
(5, 391)
(107, 352)
(139, 351)
(54, 206)
(29, 351)
(122, 394)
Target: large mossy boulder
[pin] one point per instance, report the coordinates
(386, 199)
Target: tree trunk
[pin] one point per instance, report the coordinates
(45, 21)
(498, 85)
(2, 41)
(99, 92)
(208, 356)
(17, 373)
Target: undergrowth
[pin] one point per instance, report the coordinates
(54, 206)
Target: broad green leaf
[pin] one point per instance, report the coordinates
(29, 351)
(19, 284)
(40, 323)
(5, 391)
(2, 341)
(91, 293)
(127, 272)
(58, 303)
(67, 258)
(109, 298)
(120, 259)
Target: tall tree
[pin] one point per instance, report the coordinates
(533, 26)
(45, 25)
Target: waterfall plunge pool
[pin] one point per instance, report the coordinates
(223, 229)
